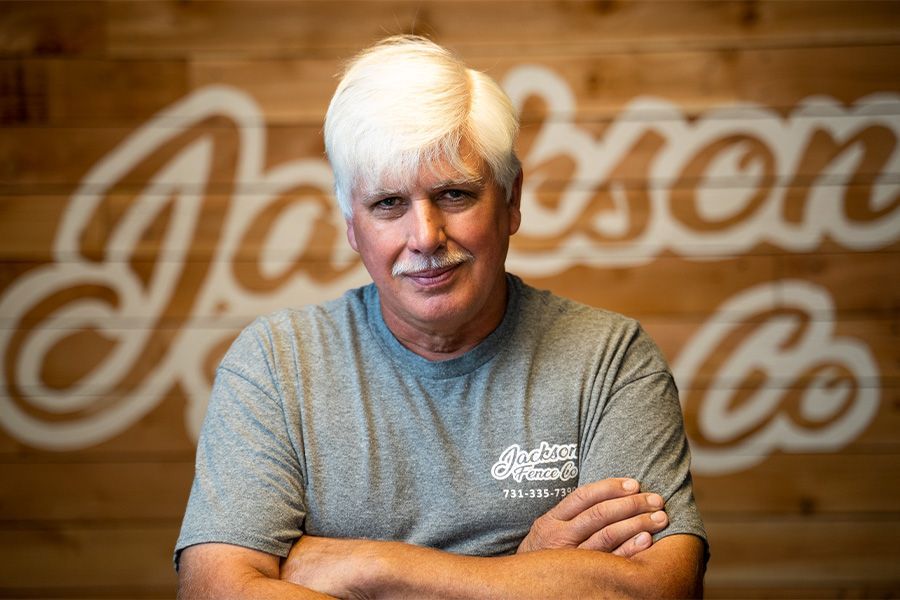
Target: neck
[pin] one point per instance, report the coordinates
(438, 347)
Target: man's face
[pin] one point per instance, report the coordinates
(446, 235)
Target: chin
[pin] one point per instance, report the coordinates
(441, 310)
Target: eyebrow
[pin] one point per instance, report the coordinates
(379, 194)
(447, 183)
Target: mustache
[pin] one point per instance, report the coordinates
(430, 262)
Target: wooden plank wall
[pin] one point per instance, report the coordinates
(727, 172)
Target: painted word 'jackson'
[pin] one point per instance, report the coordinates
(745, 175)
(522, 464)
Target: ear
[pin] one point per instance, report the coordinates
(351, 234)
(514, 204)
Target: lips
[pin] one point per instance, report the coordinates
(432, 277)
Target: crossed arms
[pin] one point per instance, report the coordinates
(595, 543)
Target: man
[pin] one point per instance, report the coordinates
(447, 431)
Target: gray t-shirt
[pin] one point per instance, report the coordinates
(321, 422)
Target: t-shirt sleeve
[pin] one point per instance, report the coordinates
(248, 484)
(637, 430)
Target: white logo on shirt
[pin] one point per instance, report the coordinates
(537, 464)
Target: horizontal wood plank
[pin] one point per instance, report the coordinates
(296, 91)
(95, 491)
(801, 551)
(787, 591)
(67, 91)
(336, 28)
(161, 435)
(842, 484)
(746, 554)
(52, 28)
(836, 484)
(880, 336)
(694, 289)
(632, 291)
(48, 161)
(844, 273)
(108, 561)
(61, 160)
(609, 233)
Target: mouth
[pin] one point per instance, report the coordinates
(430, 271)
(432, 277)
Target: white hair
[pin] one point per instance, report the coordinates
(405, 102)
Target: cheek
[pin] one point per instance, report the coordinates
(487, 234)
(376, 249)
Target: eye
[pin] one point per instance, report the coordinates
(456, 197)
(387, 205)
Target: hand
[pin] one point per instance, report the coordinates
(609, 515)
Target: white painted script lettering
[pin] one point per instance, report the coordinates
(822, 389)
(717, 184)
(720, 184)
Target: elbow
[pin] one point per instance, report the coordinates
(223, 571)
(224, 585)
(641, 588)
(668, 574)
(661, 587)
(676, 588)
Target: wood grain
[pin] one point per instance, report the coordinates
(272, 28)
(81, 80)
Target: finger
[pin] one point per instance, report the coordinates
(591, 494)
(599, 516)
(635, 544)
(620, 537)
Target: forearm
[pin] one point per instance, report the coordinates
(246, 586)
(256, 588)
(668, 569)
(216, 571)
(558, 573)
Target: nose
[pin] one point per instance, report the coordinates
(426, 227)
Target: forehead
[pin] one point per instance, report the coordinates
(411, 174)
